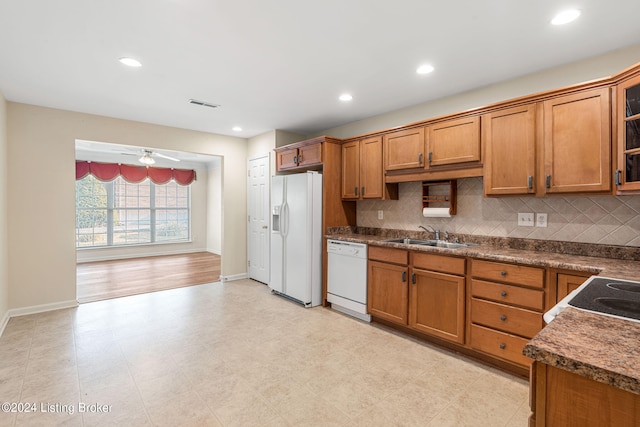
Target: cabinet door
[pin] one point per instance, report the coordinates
(454, 141)
(404, 149)
(287, 159)
(628, 124)
(387, 292)
(577, 142)
(310, 155)
(351, 170)
(371, 173)
(509, 141)
(568, 283)
(437, 304)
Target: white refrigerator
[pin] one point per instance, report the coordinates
(296, 237)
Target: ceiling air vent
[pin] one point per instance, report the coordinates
(204, 104)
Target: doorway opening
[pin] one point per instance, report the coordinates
(143, 234)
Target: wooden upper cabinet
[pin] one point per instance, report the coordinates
(299, 156)
(310, 155)
(628, 129)
(287, 159)
(362, 173)
(577, 142)
(509, 141)
(351, 170)
(371, 173)
(453, 141)
(404, 149)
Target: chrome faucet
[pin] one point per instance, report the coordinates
(433, 230)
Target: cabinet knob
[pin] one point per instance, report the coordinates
(503, 273)
(502, 346)
(503, 317)
(503, 293)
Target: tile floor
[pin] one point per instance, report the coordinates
(232, 354)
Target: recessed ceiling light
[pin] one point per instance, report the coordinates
(130, 62)
(425, 69)
(237, 128)
(346, 97)
(565, 17)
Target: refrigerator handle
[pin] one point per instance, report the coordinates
(284, 219)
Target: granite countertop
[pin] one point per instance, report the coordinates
(603, 348)
(490, 249)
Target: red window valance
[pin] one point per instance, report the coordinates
(133, 174)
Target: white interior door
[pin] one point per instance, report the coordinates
(258, 218)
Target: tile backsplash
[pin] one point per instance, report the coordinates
(612, 220)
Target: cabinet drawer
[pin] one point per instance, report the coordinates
(499, 344)
(446, 264)
(515, 320)
(517, 274)
(391, 255)
(508, 294)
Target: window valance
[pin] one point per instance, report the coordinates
(132, 173)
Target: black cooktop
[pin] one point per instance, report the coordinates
(610, 296)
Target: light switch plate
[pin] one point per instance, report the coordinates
(541, 219)
(525, 219)
(380, 215)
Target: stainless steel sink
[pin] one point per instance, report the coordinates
(412, 241)
(434, 243)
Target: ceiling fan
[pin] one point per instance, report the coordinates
(147, 156)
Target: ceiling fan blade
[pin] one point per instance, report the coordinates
(166, 157)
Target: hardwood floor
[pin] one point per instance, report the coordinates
(117, 278)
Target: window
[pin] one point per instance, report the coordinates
(120, 213)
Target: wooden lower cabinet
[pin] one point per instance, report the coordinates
(506, 308)
(567, 283)
(436, 304)
(388, 291)
(561, 399)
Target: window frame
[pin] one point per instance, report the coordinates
(153, 209)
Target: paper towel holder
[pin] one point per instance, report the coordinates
(439, 199)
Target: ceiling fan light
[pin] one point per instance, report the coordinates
(146, 159)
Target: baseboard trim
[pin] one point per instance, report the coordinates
(234, 277)
(141, 255)
(34, 309)
(4, 322)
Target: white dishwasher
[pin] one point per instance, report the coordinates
(347, 278)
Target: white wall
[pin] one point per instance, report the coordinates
(214, 209)
(4, 243)
(566, 75)
(41, 200)
(199, 204)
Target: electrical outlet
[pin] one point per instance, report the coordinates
(541, 219)
(380, 215)
(525, 219)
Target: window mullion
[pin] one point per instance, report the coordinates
(110, 208)
(152, 213)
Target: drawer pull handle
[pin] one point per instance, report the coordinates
(404, 276)
(503, 317)
(503, 273)
(503, 293)
(502, 346)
